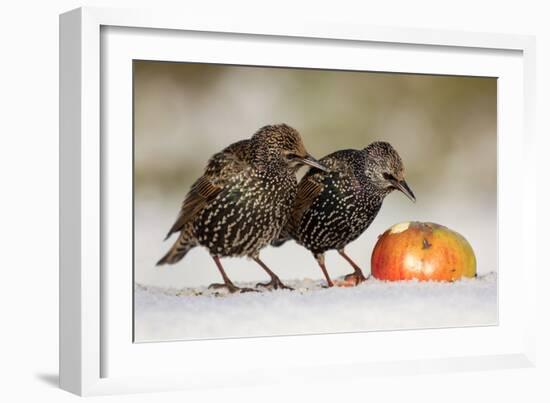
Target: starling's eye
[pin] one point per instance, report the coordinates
(388, 177)
(291, 156)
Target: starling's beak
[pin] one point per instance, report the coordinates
(403, 187)
(309, 160)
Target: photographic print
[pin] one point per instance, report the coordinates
(275, 201)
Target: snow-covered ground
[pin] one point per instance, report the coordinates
(194, 313)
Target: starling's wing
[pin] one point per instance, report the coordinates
(310, 187)
(220, 169)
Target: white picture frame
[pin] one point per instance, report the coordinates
(96, 356)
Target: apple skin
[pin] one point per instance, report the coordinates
(422, 251)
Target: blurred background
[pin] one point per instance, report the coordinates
(444, 128)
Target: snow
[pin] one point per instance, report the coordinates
(163, 314)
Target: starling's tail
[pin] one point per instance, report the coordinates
(281, 239)
(177, 251)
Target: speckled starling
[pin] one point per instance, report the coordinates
(243, 200)
(334, 208)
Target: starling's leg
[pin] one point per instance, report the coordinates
(321, 260)
(357, 274)
(227, 283)
(275, 281)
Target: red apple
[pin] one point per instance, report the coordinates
(423, 251)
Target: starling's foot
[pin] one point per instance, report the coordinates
(275, 284)
(247, 289)
(232, 288)
(357, 278)
(329, 284)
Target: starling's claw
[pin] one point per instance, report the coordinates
(275, 284)
(329, 284)
(247, 289)
(357, 277)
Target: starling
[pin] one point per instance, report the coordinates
(333, 208)
(242, 201)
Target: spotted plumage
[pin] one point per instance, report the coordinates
(243, 199)
(334, 208)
